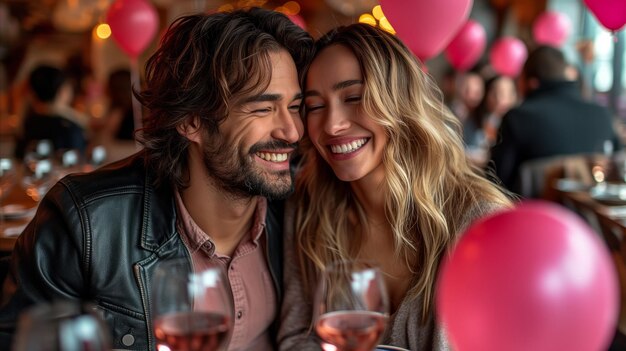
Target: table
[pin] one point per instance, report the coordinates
(610, 222)
(607, 220)
(9, 225)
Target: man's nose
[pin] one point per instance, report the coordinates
(289, 127)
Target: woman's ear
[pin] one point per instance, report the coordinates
(190, 129)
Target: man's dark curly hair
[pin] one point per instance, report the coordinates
(205, 65)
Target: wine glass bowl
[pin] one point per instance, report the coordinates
(192, 310)
(351, 307)
(62, 326)
(7, 176)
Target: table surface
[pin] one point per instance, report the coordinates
(10, 226)
(609, 219)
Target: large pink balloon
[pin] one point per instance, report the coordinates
(133, 25)
(532, 278)
(507, 56)
(551, 28)
(467, 46)
(426, 26)
(611, 13)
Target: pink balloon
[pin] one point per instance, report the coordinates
(133, 25)
(467, 46)
(532, 278)
(426, 26)
(507, 56)
(610, 13)
(551, 28)
(298, 20)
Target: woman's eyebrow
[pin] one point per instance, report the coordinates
(347, 83)
(338, 86)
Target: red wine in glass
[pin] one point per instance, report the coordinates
(191, 331)
(351, 330)
(192, 309)
(351, 306)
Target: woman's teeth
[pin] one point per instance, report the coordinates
(272, 157)
(348, 147)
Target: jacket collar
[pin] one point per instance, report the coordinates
(562, 87)
(159, 213)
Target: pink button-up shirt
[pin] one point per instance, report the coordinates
(254, 298)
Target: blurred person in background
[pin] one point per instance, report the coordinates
(480, 130)
(552, 120)
(117, 123)
(49, 114)
(469, 91)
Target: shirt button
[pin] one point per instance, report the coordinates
(128, 340)
(239, 314)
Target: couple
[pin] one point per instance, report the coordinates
(382, 176)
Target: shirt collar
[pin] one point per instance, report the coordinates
(196, 239)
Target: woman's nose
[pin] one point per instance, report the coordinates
(336, 121)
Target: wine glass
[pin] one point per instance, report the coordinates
(192, 310)
(39, 178)
(351, 306)
(7, 180)
(62, 326)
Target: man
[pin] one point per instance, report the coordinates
(553, 119)
(224, 99)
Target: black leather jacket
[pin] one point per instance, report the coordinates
(98, 237)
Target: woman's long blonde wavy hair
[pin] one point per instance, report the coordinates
(429, 184)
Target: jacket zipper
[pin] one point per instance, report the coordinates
(144, 297)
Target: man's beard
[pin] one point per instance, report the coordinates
(238, 175)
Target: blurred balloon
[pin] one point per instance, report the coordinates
(297, 19)
(426, 26)
(552, 28)
(352, 7)
(532, 278)
(467, 46)
(507, 56)
(133, 25)
(610, 13)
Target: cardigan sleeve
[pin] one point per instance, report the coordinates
(295, 331)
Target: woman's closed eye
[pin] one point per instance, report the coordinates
(313, 107)
(353, 99)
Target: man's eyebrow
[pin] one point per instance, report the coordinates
(338, 86)
(262, 97)
(269, 97)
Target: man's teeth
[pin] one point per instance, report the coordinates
(348, 147)
(272, 157)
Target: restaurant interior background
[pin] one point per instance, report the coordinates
(55, 31)
(74, 34)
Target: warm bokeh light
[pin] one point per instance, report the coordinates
(291, 8)
(367, 18)
(225, 8)
(250, 3)
(97, 110)
(103, 31)
(385, 25)
(377, 11)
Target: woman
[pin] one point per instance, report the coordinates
(384, 178)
